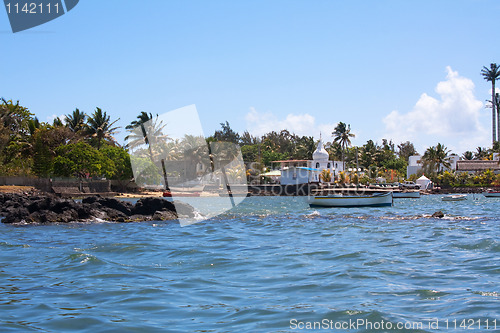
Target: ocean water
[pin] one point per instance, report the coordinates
(270, 265)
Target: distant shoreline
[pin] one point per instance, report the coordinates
(29, 190)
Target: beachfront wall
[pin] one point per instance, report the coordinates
(59, 185)
(478, 166)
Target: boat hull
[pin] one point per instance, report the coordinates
(454, 198)
(412, 194)
(492, 194)
(377, 200)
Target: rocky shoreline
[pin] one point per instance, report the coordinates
(46, 208)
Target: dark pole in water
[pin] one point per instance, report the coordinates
(357, 168)
(226, 181)
(167, 188)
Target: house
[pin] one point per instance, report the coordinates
(295, 172)
(415, 164)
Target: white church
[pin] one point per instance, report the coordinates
(295, 172)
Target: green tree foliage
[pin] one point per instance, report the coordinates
(15, 156)
(82, 160)
(251, 153)
(342, 134)
(15, 117)
(4, 137)
(436, 158)
(405, 150)
(492, 74)
(369, 154)
(304, 147)
(100, 128)
(326, 176)
(269, 156)
(42, 159)
(44, 142)
(481, 153)
(121, 160)
(76, 121)
(468, 155)
(226, 134)
(334, 151)
(447, 179)
(247, 139)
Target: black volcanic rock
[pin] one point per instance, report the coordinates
(438, 214)
(46, 209)
(115, 204)
(148, 206)
(39, 204)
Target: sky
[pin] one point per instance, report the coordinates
(399, 70)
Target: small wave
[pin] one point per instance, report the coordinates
(198, 217)
(428, 216)
(487, 293)
(5, 244)
(84, 258)
(313, 214)
(481, 245)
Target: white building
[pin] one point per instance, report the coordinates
(415, 164)
(308, 171)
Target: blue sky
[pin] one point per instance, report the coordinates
(401, 70)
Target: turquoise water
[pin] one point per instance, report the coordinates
(271, 265)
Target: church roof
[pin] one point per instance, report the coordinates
(320, 154)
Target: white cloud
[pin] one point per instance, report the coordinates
(452, 119)
(50, 119)
(259, 123)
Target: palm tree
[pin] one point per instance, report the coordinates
(135, 139)
(369, 154)
(468, 155)
(75, 121)
(326, 175)
(342, 134)
(442, 159)
(100, 127)
(57, 122)
(436, 158)
(148, 130)
(497, 106)
(492, 74)
(149, 133)
(429, 159)
(481, 153)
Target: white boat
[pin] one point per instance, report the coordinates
(375, 200)
(406, 194)
(455, 197)
(492, 194)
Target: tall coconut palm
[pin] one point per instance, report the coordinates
(442, 158)
(436, 158)
(75, 121)
(342, 134)
(492, 74)
(481, 153)
(468, 155)
(148, 130)
(429, 159)
(100, 127)
(135, 138)
(497, 106)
